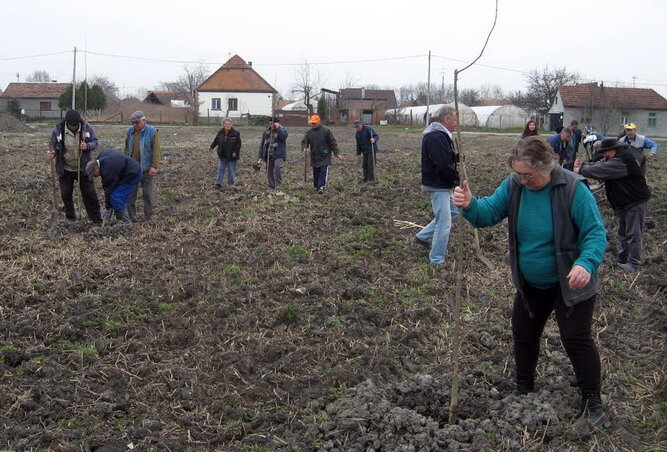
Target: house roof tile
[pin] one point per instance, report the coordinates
(41, 90)
(236, 76)
(583, 95)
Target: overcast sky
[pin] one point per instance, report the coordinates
(609, 40)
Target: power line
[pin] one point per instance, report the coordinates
(34, 56)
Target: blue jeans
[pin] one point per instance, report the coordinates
(320, 176)
(119, 197)
(230, 165)
(437, 231)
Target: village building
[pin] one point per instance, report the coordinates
(607, 109)
(36, 100)
(236, 90)
(367, 105)
(166, 99)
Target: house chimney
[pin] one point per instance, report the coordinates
(250, 63)
(363, 90)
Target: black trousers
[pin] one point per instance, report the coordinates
(368, 167)
(88, 194)
(530, 314)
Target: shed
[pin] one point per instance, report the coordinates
(501, 116)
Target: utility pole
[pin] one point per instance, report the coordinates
(428, 89)
(17, 77)
(74, 82)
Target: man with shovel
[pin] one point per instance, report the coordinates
(72, 142)
(367, 139)
(321, 142)
(274, 146)
(120, 175)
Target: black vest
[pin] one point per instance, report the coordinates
(630, 190)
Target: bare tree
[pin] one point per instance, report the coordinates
(186, 85)
(416, 94)
(108, 87)
(470, 97)
(543, 85)
(491, 92)
(39, 76)
(307, 84)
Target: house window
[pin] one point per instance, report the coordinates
(45, 106)
(625, 118)
(233, 104)
(215, 103)
(652, 119)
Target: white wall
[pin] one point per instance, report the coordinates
(253, 103)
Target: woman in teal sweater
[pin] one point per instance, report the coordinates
(557, 242)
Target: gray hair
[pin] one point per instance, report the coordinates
(90, 167)
(567, 131)
(443, 112)
(535, 152)
(224, 120)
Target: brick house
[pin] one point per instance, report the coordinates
(369, 105)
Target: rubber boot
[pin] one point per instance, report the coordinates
(524, 385)
(592, 413)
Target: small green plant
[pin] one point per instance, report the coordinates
(87, 350)
(367, 234)
(229, 269)
(90, 323)
(618, 285)
(166, 308)
(72, 422)
(8, 348)
(298, 251)
(111, 325)
(289, 314)
(334, 321)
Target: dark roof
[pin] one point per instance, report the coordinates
(583, 95)
(38, 90)
(162, 97)
(236, 76)
(388, 95)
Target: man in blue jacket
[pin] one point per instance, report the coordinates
(142, 143)
(274, 144)
(366, 139)
(439, 177)
(562, 146)
(120, 176)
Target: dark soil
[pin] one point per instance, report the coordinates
(9, 124)
(251, 319)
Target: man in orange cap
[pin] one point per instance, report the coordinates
(322, 143)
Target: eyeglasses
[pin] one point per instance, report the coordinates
(525, 175)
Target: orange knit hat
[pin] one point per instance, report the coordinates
(315, 119)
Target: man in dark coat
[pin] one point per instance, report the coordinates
(627, 193)
(560, 143)
(322, 143)
(274, 144)
(439, 177)
(72, 142)
(120, 175)
(367, 140)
